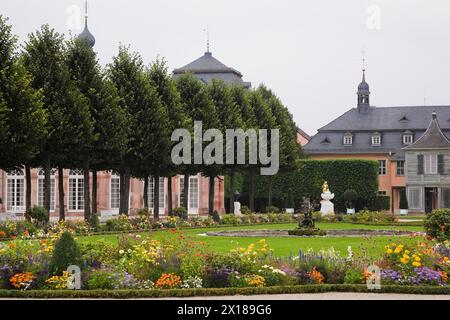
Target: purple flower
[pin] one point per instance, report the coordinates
(425, 275)
(392, 276)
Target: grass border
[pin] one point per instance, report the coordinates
(189, 293)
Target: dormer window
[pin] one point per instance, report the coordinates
(376, 139)
(408, 138)
(348, 139)
(404, 119)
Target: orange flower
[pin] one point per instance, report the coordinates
(316, 276)
(168, 281)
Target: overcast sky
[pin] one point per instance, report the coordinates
(308, 52)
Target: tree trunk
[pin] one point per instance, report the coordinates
(124, 191)
(94, 192)
(252, 191)
(186, 192)
(47, 182)
(156, 197)
(269, 196)
(231, 190)
(169, 195)
(211, 195)
(62, 213)
(146, 192)
(28, 188)
(87, 193)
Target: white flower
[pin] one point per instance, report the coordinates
(121, 252)
(129, 250)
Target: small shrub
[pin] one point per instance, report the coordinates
(122, 223)
(245, 210)
(307, 232)
(317, 216)
(230, 219)
(353, 276)
(350, 196)
(102, 280)
(272, 209)
(216, 217)
(181, 213)
(403, 200)
(94, 222)
(39, 216)
(66, 253)
(437, 225)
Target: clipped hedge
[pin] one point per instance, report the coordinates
(177, 293)
(308, 178)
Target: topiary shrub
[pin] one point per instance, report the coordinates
(350, 196)
(216, 217)
(39, 216)
(181, 213)
(66, 253)
(437, 224)
(403, 200)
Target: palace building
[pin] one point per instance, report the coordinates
(393, 136)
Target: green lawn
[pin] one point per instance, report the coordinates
(288, 246)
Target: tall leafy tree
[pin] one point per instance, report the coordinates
(69, 124)
(22, 117)
(198, 106)
(171, 101)
(148, 119)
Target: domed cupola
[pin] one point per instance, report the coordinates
(86, 34)
(363, 94)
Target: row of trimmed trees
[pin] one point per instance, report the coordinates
(60, 109)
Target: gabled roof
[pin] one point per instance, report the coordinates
(433, 138)
(207, 64)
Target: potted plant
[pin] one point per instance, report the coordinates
(403, 203)
(350, 197)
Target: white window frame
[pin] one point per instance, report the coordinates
(191, 209)
(430, 163)
(376, 140)
(18, 204)
(380, 167)
(348, 139)
(41, 186)
(420, 200)
(162, 195)
(112, 178)
(78, 177)
(398, 167)
(408, 139)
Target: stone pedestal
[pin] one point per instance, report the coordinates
(237, 209)
(327, 207)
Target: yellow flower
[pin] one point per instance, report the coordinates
(416, 264)
(389, 251)
(398, 249)
(403, 260)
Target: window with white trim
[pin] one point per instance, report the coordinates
(41, 185)
(376, 140)
(382, 170)
(430, 162)
(193, 199)
(115, 192)
(400, 168)
(76, 190)
(348, 139)
(15, 191)
(408, 139)
(151, 188)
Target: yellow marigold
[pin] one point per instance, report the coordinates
(398, 249)
(255, 281)
(404, 261)
(168, 281)
(416, 264)
(389, 251)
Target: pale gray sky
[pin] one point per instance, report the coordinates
(308, 52)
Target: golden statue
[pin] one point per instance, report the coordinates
(325, 187)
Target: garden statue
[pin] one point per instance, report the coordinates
(327, 207)
(237, 204)
(307, 209)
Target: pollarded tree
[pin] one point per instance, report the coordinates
(289, 149)
(171, 101)
(22, 118)
(150, 137)
(69, 123)
(198, 106)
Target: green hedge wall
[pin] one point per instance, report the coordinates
(128, 294)
(308, 178)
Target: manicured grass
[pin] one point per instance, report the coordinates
(373, 246)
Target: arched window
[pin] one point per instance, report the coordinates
(348, 139)
(76, 191)
(40, 195)
(15, 197)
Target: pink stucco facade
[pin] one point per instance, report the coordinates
(12, 193)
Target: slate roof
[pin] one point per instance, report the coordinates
(207, 68)
(433, 138)
(390, 122)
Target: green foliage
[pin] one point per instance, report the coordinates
(350, 195)
(373, 217)
(230, 219)
(40, 216)
(437, 224)
(272, 209)
(216, 217)
(122, 223)
(353, 276)
(307, 180)
(94, 222)
(101, 280)
(245, 210)
(307, 232)
(66, 253)
(181, 212)
(379, 203)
